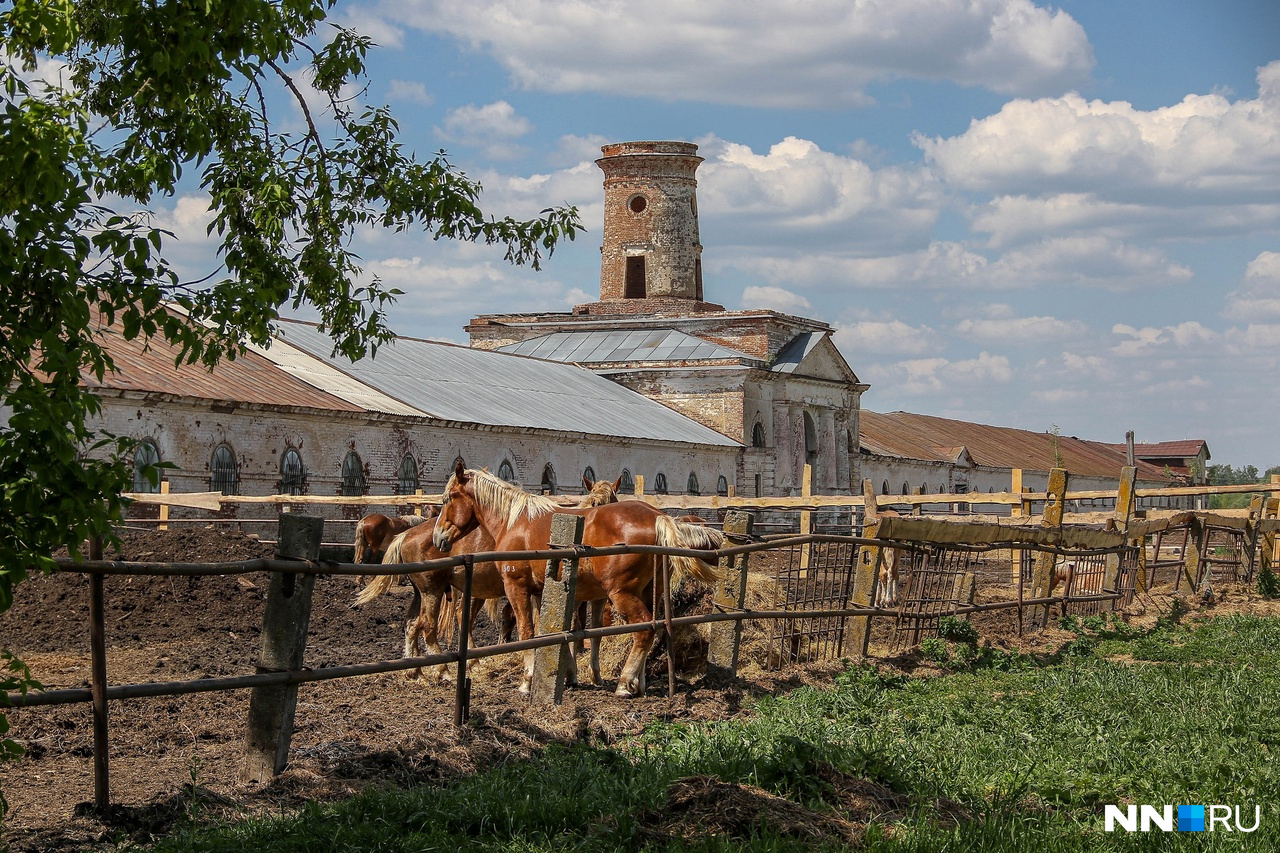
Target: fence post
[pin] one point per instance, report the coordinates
(1193, 556)
(730, 594)
(1125, 501)
(1055, 503)
(1016, 511)
(559, 593)
(639, 485)
(164, 508)
(866, 568)
(806, 519)
(98, 685)
(284, 639)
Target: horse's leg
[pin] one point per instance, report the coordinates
(516, 584)
(579, 622)
(412, 630)
(634, 611)
(597, 621)
(427, 627)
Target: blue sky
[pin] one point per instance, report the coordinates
(1012, 213)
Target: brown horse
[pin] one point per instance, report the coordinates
(887, 584)
(423, 622)
(426, 622)
(374, 533)
(522, 522)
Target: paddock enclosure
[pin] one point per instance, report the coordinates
(787, 598)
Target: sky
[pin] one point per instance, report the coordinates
(1028, 215)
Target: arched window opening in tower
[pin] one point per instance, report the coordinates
(635, 285)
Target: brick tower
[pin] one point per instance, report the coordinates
(651, 248)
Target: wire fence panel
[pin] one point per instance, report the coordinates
(938, 581)
(1225, 556)
(823, 581)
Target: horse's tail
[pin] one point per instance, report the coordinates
(362, 543)
(382, 583)
(446, 618)
(670, 533)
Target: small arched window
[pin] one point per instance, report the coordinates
(293, 476)
(352, 475)
(660, 484)
(906, 490)
(884, 487)
(548, 480)
(757, 435)
(224, 474)
(507, 473)
(692, 487)
(722, 486)
(145, 477)
(626, 483)
(589, 474)
(407, 476)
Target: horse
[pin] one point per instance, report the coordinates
(423, 623)
(374, 533)
(522, 522)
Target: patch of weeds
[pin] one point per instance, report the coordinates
(867, 678)
(935, 649)
(1268, 583)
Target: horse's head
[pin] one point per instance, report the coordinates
(599, 493)
(457, 515)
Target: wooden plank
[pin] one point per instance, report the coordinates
(968, 533)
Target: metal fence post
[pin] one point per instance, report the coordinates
(284, 639)
(559, 593)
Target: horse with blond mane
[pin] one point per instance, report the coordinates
(518, 521)
(426, 623)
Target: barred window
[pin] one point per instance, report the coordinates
(589, 474)
(224, 473)
(548, 480)
(352, 475)
(692, 487)
(293, 476)
(145, 456)
(408, 476)
(660, 484)
(507, 473)
(626, 483)
(722, 486)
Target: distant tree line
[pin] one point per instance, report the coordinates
(1225, 475)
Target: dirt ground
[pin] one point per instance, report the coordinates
(378, 729)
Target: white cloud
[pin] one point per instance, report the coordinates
(892, 336)
(1259, 297)
(1018, 330)
(409, 91)
(1149, 340)
(1085, 261)
(775, 298)
(929, 376)
(493, 127)
(819, 54)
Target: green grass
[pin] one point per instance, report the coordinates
(1032, 754)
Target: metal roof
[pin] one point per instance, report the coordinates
(796, 351)
(459, 383)
(1186, 448)
(910, 436)
(588, 347)
(250, 378)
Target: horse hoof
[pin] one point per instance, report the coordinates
(624, 693)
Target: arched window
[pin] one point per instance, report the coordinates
(548, 480)
(407, 477)
(224, 474)
(507, 473)
(145, 456)
(352, 475)
(722, 486)
(884, 487)
(692, 487)
(293, 476)
(660, 484)
(589, 474)
(626, 483)
(810, 441)
(757, 435)
(906, 489)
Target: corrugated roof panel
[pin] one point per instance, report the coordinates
(495, 388)
(613, 346)
(912, 436)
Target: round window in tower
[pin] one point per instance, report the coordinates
(638, 203)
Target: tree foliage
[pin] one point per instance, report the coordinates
(1225, 475)
(107, 105)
